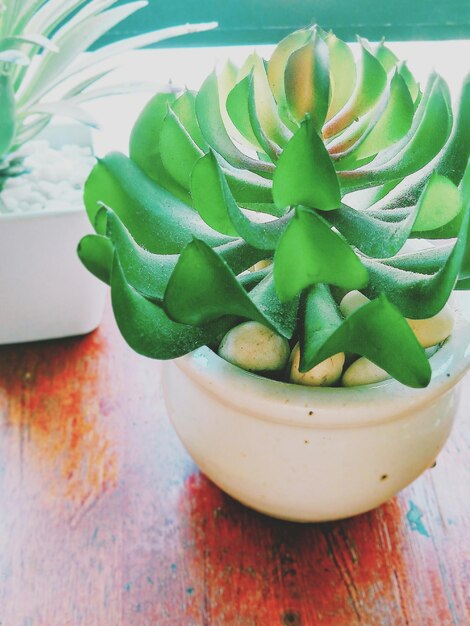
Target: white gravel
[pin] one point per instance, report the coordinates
(53, 180)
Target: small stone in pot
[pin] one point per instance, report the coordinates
(324, 374)
(255, 347)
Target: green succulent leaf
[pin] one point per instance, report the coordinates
(263, 108)
(371, 234)
(305, 173)
(420, 296)
(148, 330)
(184, 108)
(382, 234)
(157, 220)
(307, 81)
(342, 74)
(237, 108)
(456, 153)
(217, 207)
(96, 254)
(376, 330)
(429, 132)
(371, 81)
(269, 147)
(387, 58)
(149, 273)
(413, 86)
(178, 150)
(450, 162)
(309, 252)
(439, 203)
(389, 123)
(213, 129)
(277, 66)
(203, 288)
(144, 147)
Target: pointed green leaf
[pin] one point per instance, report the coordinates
(269, 147)
(309, 252)
(376, 330)
(420, 296)
(158, 221)
(370, 234)
(450, 162)
(429, 132)
(148, 330)
(389, 123)
(217, 207)
(342, 74)
(178, 150)
(203, 288)
(382, 234)
(184, 108)
(307, 81)
(214, 131)
(439, 203)
(387, 58)
(370, 83)
(96, 254)
(277, 66)
(279, 58)
(237, 108)
(144, 147)
(305, 173)
(264, 107)
(149, 273)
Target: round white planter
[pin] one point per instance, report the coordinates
(312, 454)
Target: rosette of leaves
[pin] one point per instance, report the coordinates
(41, 46)
(325, 163)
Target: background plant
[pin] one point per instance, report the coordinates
(347, 158)
(41, 46)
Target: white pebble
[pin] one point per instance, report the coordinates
(53, 179)
(255, 347)
(352, 301)
(435, 329)
(324, 374)
(363, 372)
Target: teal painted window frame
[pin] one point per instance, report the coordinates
(267, 21)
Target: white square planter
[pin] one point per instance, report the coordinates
(45, 292)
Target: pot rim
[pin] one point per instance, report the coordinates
(330, 407)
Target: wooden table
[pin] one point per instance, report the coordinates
(105, 520)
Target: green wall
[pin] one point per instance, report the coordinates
(267, 21)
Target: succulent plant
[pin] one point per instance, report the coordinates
(325, 164)
(41, 46)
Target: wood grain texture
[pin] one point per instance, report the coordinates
(105, 521)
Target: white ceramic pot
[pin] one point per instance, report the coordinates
(45, 292)
(312, 454)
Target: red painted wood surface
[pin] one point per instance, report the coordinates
(105, 521)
